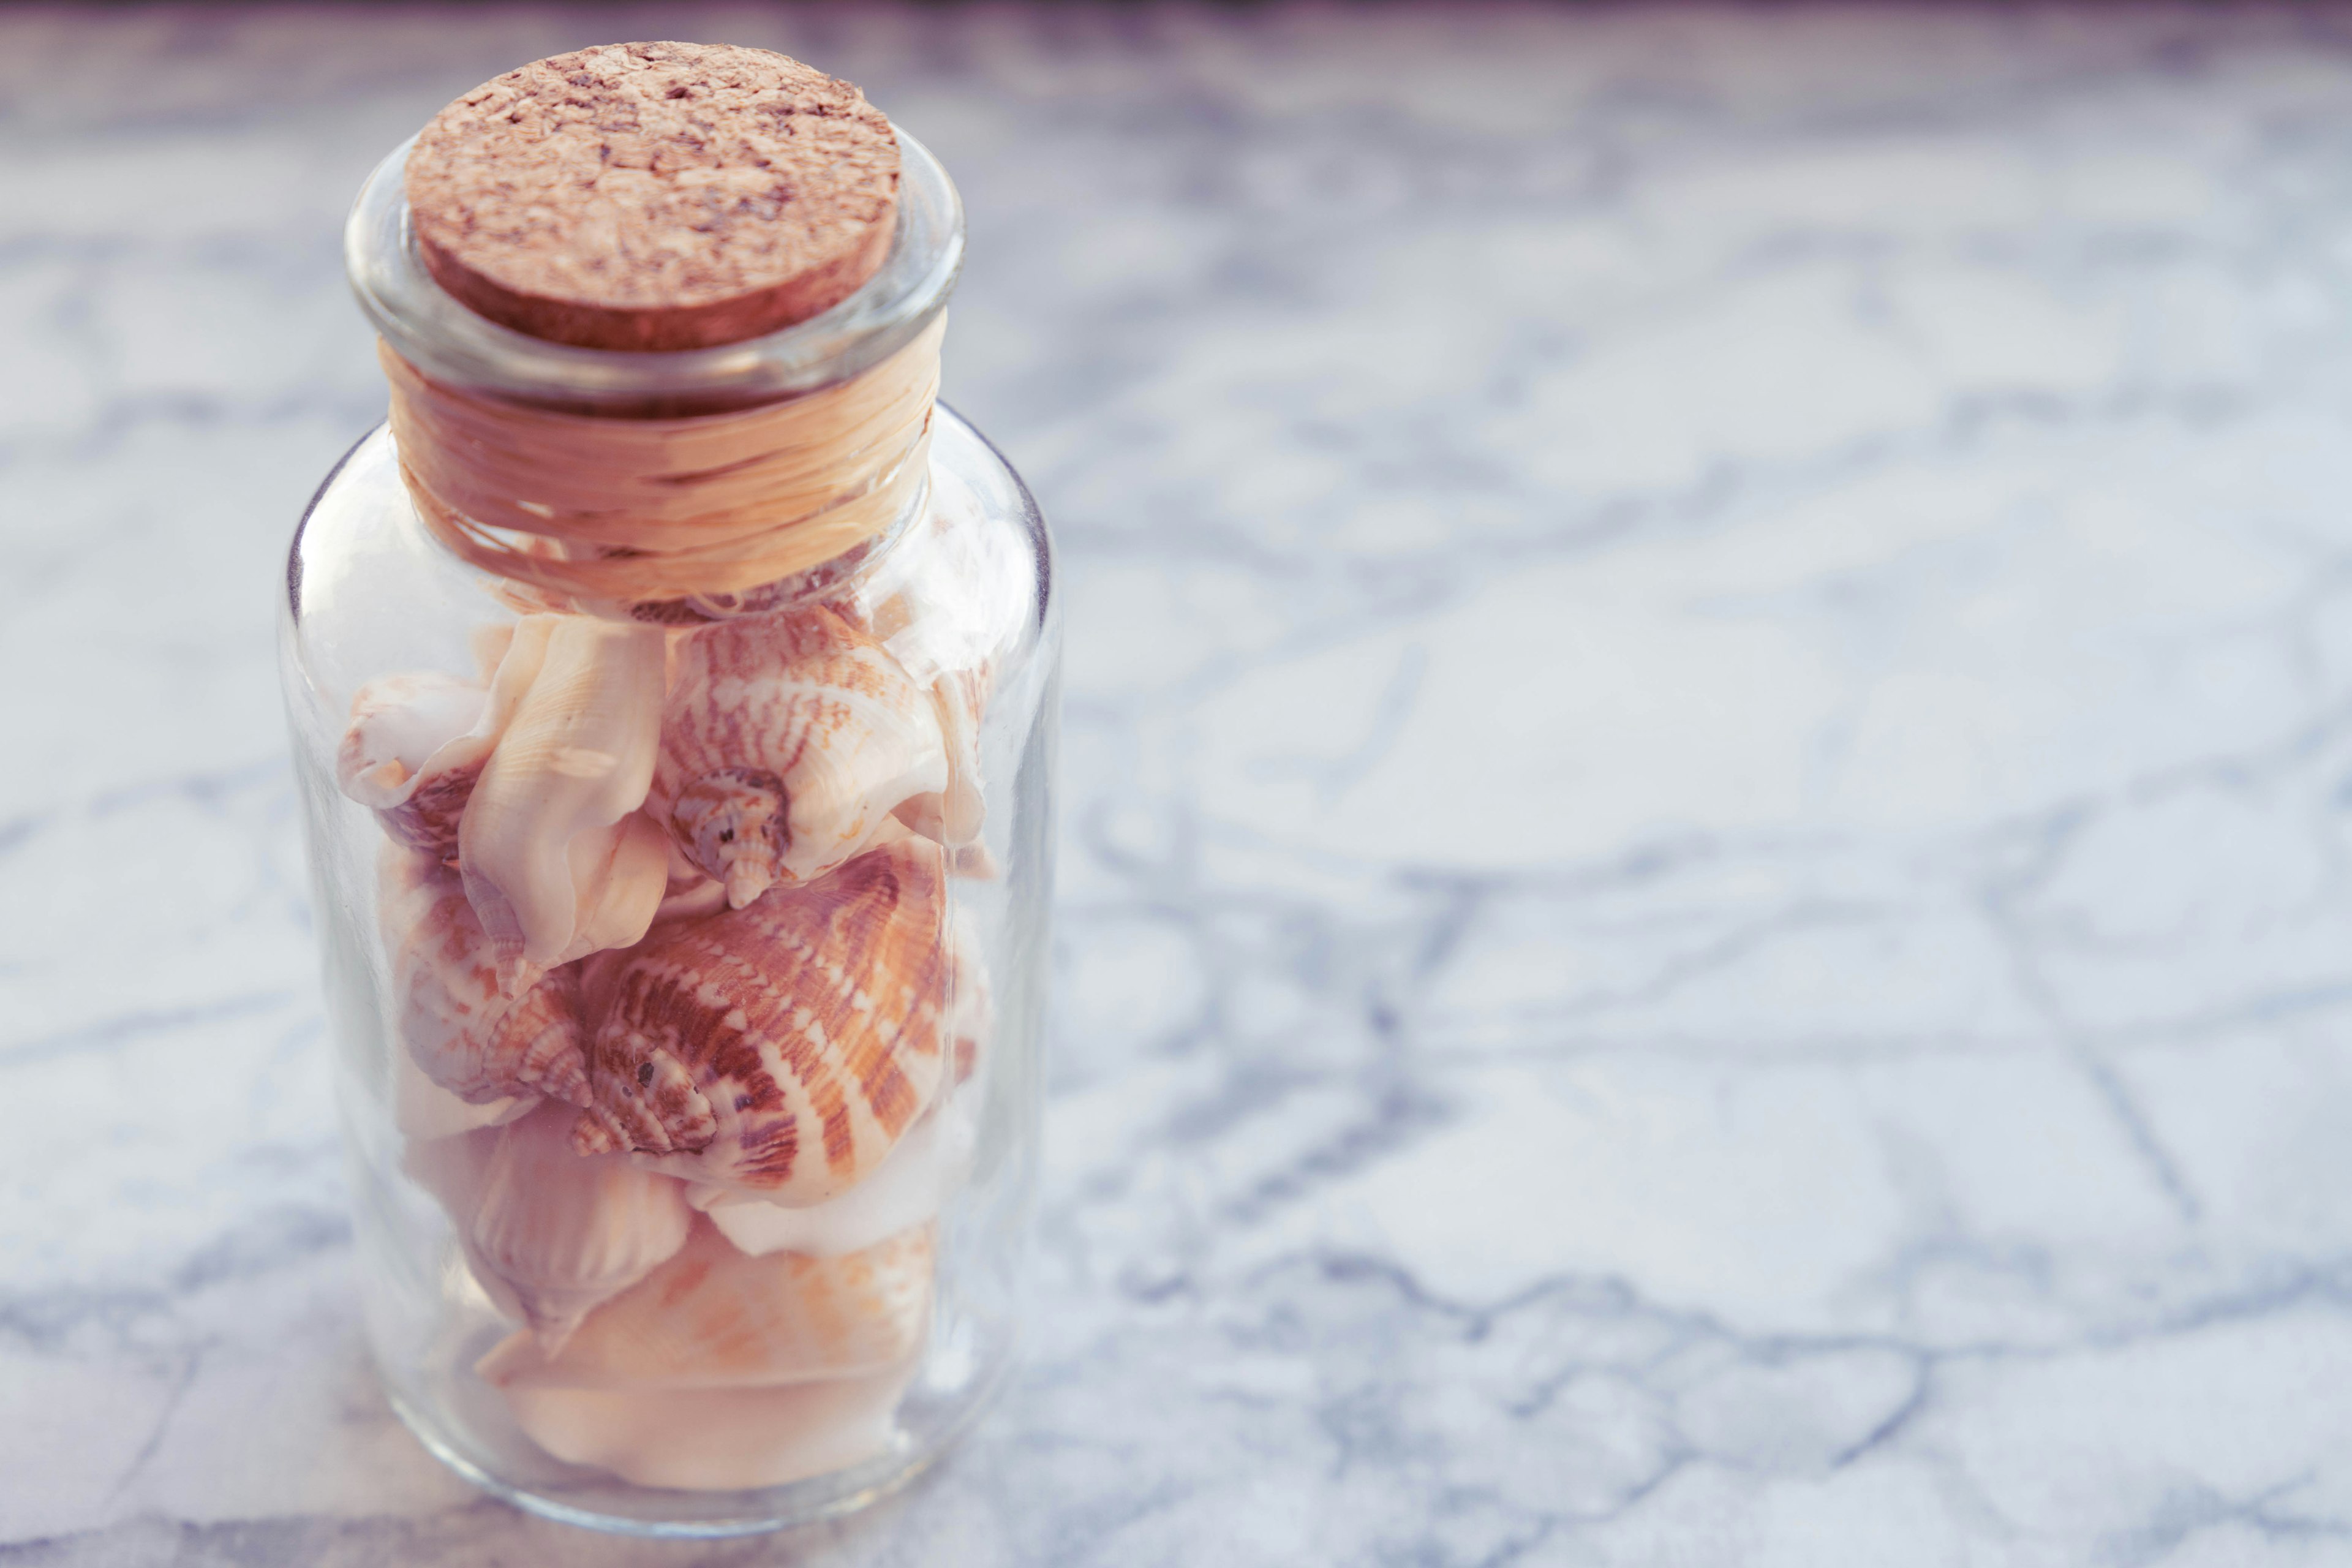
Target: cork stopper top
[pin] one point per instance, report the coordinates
(655, 197)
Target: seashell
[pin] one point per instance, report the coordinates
(788, 742)
(972, 1006)
(406, 755)
(556, 1234)
(906, 1189)
(948, 615)
(712, 1317)
(478, 1038)
(716, 1440)
(784, 1046)
(953, 815)
(556, 861)
(688, 893)
(417, 742)
(425, 1112)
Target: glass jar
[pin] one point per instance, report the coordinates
(684, 956)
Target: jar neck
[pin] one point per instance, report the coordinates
(672, 486)
(834, 578)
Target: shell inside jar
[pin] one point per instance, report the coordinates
(686, 1011)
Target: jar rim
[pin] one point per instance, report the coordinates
(428, 327)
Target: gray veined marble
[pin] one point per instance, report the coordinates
(1708, 901)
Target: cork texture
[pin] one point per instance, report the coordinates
(656, 196)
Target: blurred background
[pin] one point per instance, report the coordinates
(1703, 910)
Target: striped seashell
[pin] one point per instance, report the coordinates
(785, 1047)
(714, 1316)
(464, 1028)
(788, 742)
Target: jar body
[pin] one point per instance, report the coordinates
(714, 1219)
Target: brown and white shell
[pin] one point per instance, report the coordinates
(550, 1235)
(713, 1317)
(788, 742)
(784, 1046)
(556, 860)
(462, 1027)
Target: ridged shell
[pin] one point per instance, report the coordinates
(788, 742)
(712, 1317)
(715, 1440)
(555, 859)
(784, 1046)
(563, 1233)
(450, 1008)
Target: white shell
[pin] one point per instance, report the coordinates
(410, 755)
(548, 1233)
(906, 1189)
(425, 1111)
(715, 1440)
(948, 618)
(556, 862)
(713, 1317)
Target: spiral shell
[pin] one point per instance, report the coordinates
(784, 1046)
(461, 1024)
(788, 742)
(713, 1317)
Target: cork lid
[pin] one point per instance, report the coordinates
(655, 197)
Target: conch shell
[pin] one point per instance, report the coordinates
(716, 1440)
(462, 1027)
(556, 860)
(712, 1317)
(549, 1235)
(786, 1046)
(789, 741)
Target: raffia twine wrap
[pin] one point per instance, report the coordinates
(623, 509)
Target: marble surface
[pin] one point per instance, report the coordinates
(1706, 911)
